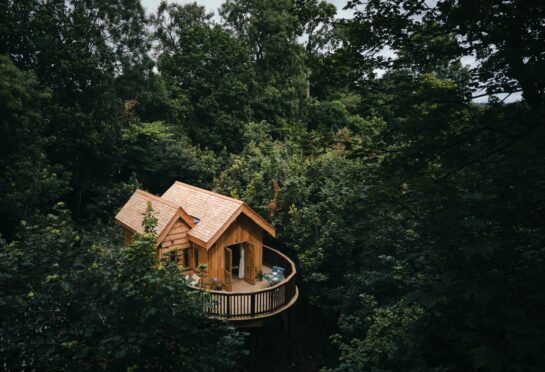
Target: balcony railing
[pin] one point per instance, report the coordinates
(262, 302)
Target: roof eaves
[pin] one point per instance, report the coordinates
(254, 216)
(119, 222)
(196, 240)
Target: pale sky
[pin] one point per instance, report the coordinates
(151, 5)
(213, 5)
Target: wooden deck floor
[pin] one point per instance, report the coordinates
(241, 286)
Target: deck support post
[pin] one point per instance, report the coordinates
(292, 340)
(285, 316)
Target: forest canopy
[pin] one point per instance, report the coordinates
(407, 184)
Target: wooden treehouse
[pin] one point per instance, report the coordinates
(217, 241)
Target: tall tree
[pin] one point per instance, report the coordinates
(506, 38)
(207, 73)
(318, 35)
(77, 50)
(27, 179)
(270, 29)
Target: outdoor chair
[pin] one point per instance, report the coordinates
(278, 269)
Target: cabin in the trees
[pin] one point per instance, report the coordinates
(217, 241)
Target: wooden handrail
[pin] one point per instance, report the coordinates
(244, 305)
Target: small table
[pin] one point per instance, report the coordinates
(273, 278)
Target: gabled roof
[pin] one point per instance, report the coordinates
(166, 212)
(215, 211)
(207, 213)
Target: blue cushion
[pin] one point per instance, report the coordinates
(278, 269)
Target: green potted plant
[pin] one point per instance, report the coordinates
(217, 285)
(201, 270)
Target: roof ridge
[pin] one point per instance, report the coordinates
(159, 199)
(210, 192)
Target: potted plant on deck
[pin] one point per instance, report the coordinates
(201, 272)
(217, 285)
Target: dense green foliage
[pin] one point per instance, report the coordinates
(69, 304)
(415, 215)
(22, 157)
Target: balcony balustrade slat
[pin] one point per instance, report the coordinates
(264, 301)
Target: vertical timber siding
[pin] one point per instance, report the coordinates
(241, 230)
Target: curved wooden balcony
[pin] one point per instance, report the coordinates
(258, 303)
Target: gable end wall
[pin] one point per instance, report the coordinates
(175, 239)
(243, 229)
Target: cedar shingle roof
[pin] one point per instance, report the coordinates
(131, 214)
(214, 212)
